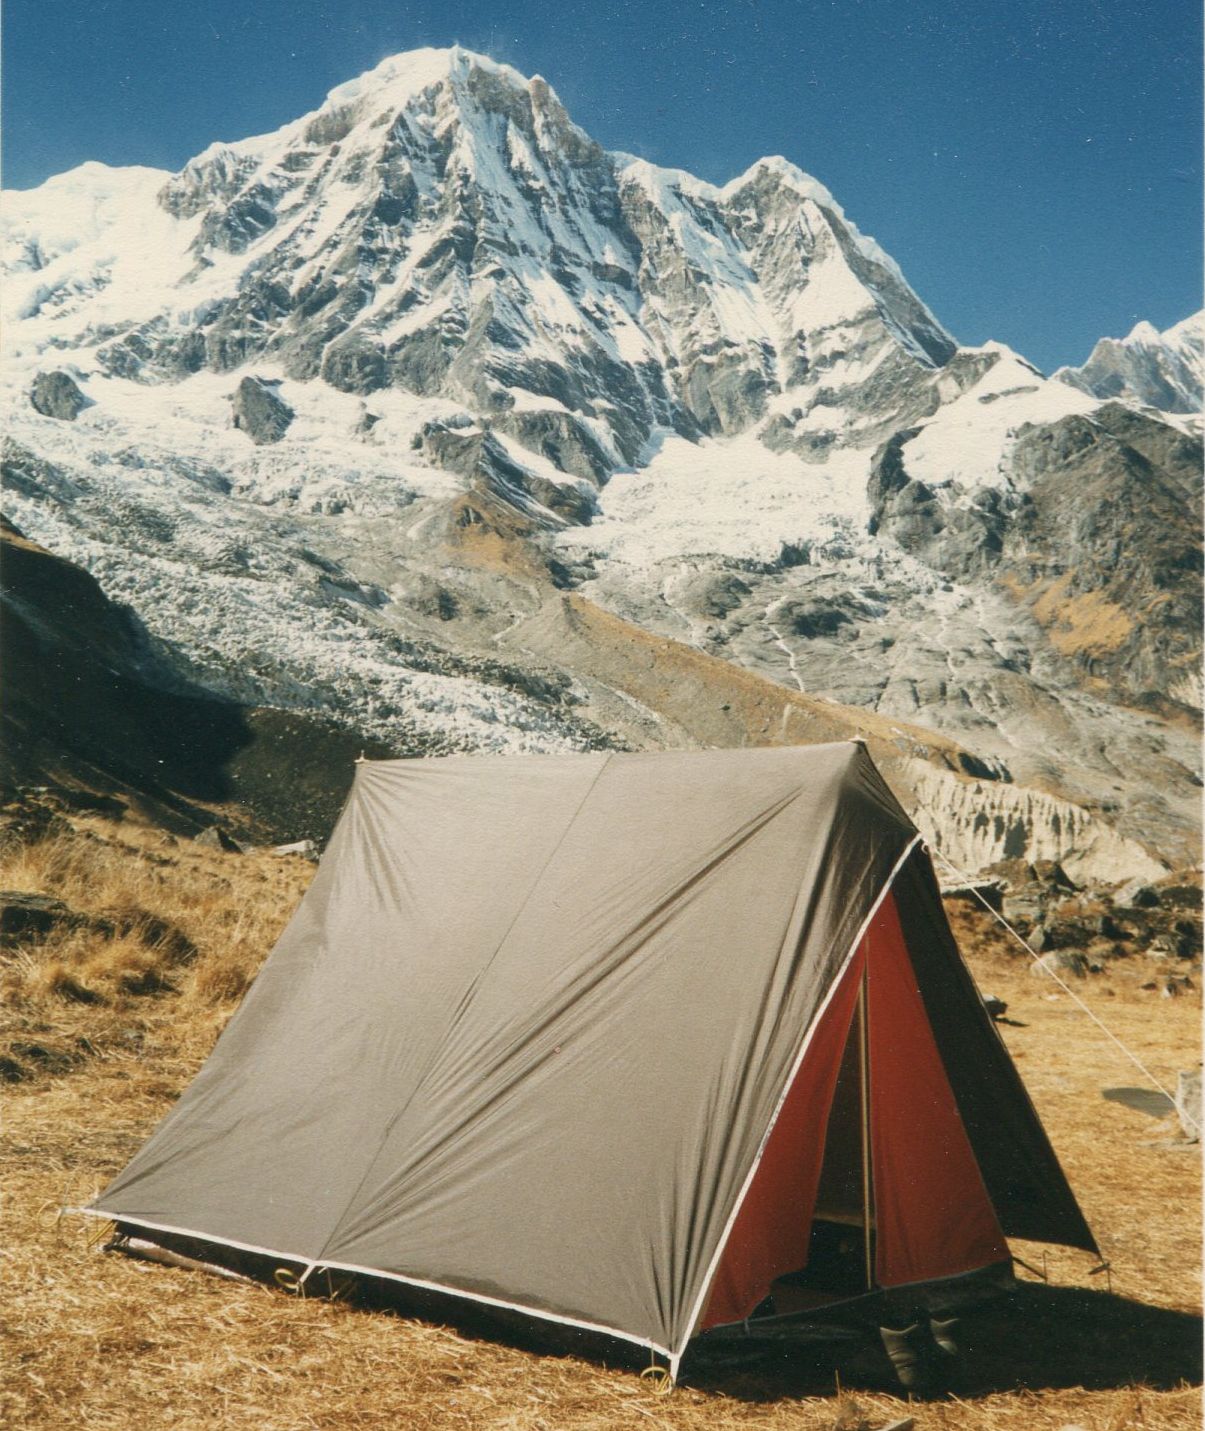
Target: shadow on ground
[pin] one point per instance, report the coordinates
(1035, 1337)
(89, 703)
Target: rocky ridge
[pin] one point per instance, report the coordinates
(1160, 370)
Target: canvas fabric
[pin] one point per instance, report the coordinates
(529, 1028)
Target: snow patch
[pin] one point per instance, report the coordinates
(727, 497)
(967, 441)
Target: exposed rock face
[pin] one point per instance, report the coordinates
(1106, 548)
(475, 452)
(610, 404)
(26, 917)
(1097, 530)
(1164, 370)
(977, 824)
(259, 412)
(57, 395)
(560, 438)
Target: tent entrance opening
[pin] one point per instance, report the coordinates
(840, 1257)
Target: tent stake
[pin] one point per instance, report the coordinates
(1021, 1262)
(1107, 1268)
(659, 1378)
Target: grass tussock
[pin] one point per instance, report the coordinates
(163, 937)
(106, 1019)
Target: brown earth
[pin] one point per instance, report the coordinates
(104, 1023)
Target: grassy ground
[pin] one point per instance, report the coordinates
(103, 1025)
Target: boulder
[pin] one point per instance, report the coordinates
(1181, 897)
(26, 916)
(307, 849)
(57, 395)
(1186, 934)
(215, 838)
(24, 821)
(977, 891)
(1188, 1102)
(31, 1058)
(1026, 907)
(260, 412)
(1061, 934)
(1050, 872)
(1137, 895)
(1062, 962)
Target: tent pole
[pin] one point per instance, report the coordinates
(864, 1087)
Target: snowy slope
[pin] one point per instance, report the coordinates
(222, 556)
(967, 443)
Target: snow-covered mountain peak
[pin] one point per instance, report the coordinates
(661, 184)
(361, 416)
(1162, 370)
(470, 85)
(440, 225)
(1187, 330)
(1001, 353)
(411, 71)
(1142, 332)
(438, 92)
(788, 174)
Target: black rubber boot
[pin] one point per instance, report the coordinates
(910, 1351)
(945, 1334)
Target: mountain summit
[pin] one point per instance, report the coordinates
(440, 225)
(1161, 370)
(427, 413)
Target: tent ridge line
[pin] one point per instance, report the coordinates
(379, 1272)
(675, 1358)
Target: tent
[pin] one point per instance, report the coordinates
(620, 1041)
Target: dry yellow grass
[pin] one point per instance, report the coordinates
(95, 1341)
(1088, 622)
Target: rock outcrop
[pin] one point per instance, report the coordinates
(976, 824)
(57, 394)
(260, 412)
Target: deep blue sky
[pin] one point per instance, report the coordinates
(1034, 165)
